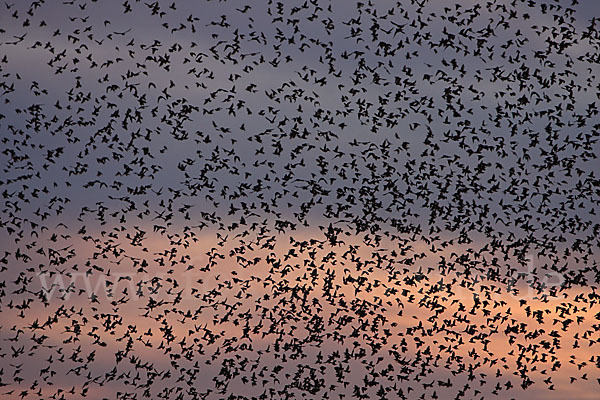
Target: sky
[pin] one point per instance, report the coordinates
(299, 199)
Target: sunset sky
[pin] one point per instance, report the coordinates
(299, 199)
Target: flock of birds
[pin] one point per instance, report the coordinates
(299, 199)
